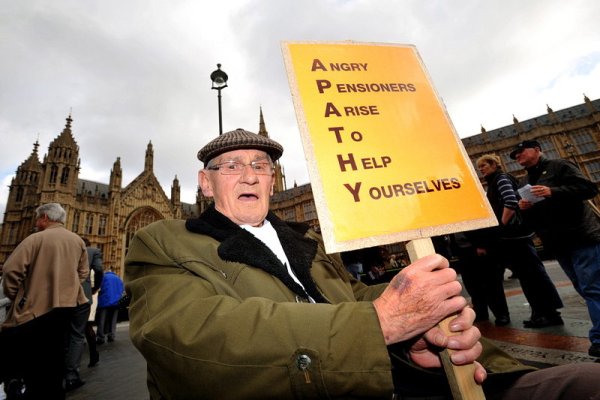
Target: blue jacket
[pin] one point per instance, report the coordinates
(111, 290)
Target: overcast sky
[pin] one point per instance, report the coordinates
(137, 71)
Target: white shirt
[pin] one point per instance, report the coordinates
(267, 234)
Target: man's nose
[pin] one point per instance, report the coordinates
(248, 174)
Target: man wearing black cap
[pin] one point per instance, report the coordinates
(238, 304)
(566, 223)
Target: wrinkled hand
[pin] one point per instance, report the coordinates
(463, 344)
(417, 298)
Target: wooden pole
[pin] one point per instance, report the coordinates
(460, 377)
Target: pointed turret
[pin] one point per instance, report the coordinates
(116, 176)
(551, 114)
(23, 197)
(61, 165)
(262, 129)
(24, 184)
(485, 135)
(33, 162)
(517, 124)
(65, 139)
(175, 193)
(588, 104)
(149, 161)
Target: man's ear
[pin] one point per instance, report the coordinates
(272, 185)
(204, 183)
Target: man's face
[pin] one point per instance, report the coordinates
(243, 198)
(528, 157)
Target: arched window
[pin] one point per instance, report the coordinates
(102, 225)
(138, 220)
(76, 217)
(12, 233)
(64, 178)
(53, 173)
(89, 223)
(584, 141)
(20, 192)
(548, 148)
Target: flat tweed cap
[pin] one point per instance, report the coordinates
(236, 140)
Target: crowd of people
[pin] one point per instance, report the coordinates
(256, 302)
(485, 254)
(49, 281)
(238, 295)
(552, 201)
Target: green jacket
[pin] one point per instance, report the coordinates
(215, 319)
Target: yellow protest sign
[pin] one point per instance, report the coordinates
(385, 162)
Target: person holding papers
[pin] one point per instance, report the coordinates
(565, 222)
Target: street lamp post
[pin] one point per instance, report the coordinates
(219, 82)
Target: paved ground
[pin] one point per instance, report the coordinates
(121, 372)
(553, 345)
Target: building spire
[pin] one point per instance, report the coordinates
(262, 129)
(33, 161)
(149, 162)
(65, 138)
(116, 176)
(69, 120)
(588, 104)
(176, 193)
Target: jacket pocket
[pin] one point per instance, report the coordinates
(305, 372)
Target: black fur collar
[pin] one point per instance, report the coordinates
(239, 245)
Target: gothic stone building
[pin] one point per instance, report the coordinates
(572, 133)
(110, 214)
(107, 214)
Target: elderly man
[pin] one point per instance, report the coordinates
(565, 222)
(43, 277)
(239, 304)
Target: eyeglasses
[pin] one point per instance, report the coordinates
(236, 168)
